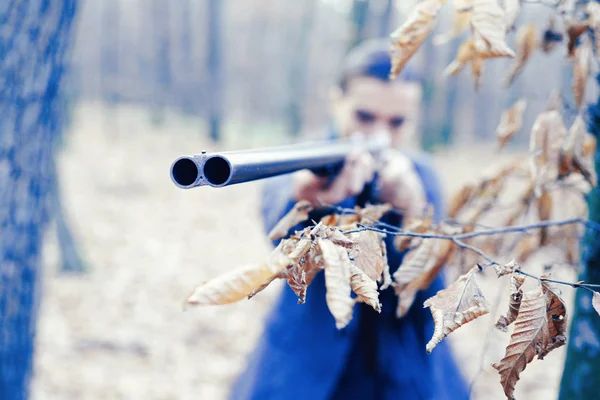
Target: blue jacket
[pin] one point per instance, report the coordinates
(301, 355)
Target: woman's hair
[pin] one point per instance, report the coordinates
(371, 58)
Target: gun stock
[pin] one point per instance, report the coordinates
(228, 168)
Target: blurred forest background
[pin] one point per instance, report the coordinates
(147, 81)
(261, 68)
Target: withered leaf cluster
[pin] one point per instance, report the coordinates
(540, 324)
(352, 262)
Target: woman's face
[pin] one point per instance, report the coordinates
(371, 105)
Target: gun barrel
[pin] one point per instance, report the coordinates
(229, 168)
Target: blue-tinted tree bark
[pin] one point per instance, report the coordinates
(214, 68)
(34, 37)
(582, 366)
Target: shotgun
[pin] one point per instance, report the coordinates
(221, 169)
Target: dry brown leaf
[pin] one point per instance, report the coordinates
(510, 122)
(526, 44)
(572, 145)
(373, 213)
(369, 254)
(340, 239)
(506, 269)
(596, 302)
(516, 295)
(477, 71)
(330, 220)
(526, 247)
(337, 282)
(296, 215)
(556, 314)
(589, 146)
(530, 334)
(413, 225)
(464, 55)
(540, 327)
(581, 71)
(445, 252)
(574, 30)
(239, 283)
(411, 34)
(460, 303)
(551, 36)
(296, 279)
(364, 287)
(415, 263)
(489, 29)
(460, 199)
(544, 204)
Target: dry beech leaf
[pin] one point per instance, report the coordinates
(544, 205)
(581, 71)
(296, 215)
(572, 145)
(369, 253)
(373, 212)
(413, 265)
(596, 302)
(516, 295)
(364, 287)
(296, 279)
(464, 55)
(330, 220)
(413, 225)
(574, 31)
(411, 34)
(337, 237)
(477, 71)
(460, 303)
(489, 29)
(510, 122)
(239, 283)
(445, 252)
(526, 44)
(337, 282)
(539, 328)
(506, 269)
(556, 314)
(589, 146)
(551, 36)
(526, 247)
(460, 200)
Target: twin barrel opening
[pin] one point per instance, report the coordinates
(186, 172)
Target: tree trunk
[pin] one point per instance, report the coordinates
(360, 15)
(582, 366)
(298, 72)
(214, 68)
(36, 35)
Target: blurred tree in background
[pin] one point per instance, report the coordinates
(35, 37)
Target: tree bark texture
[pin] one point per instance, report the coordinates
(34, 38)
(582, 365)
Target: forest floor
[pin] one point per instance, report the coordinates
(120, 331)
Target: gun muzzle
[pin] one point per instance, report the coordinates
(228, 168)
